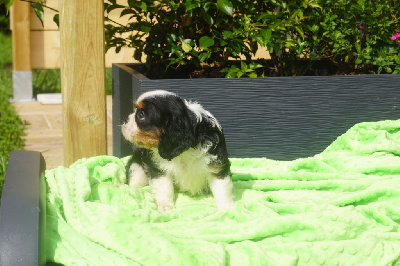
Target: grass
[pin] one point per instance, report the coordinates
(11, 127)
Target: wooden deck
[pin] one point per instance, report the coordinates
(44, 129)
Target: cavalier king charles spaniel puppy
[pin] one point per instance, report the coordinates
(179, 145)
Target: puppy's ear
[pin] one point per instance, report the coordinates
(176, 137)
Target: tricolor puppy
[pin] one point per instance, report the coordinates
(180, 145)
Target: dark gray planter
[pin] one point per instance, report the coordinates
(275, 117)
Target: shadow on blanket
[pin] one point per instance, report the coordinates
(339, 207)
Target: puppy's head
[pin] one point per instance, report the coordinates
(160, 120)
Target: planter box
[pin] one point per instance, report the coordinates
(281, 118)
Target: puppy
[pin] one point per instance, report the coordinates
(179, 145)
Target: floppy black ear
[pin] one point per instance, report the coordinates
(176, 137)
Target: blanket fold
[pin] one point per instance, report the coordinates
(340, 207)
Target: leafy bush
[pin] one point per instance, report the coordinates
(353, 35)
(302, 36)
(206, 32)
(356, 34)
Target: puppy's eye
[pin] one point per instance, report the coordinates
(140, 115)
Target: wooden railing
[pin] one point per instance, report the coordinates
(37, 46)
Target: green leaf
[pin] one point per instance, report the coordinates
(143, 6)
(127, 11)
(189, 41)
(225, 6)
(208, 18)
(190, 5)
(253, 65)
(225, 70)
(145, 28)
(172, 37)
(232, 72)
(56, 19)
(38, 11)
(243, 66)
(239, 73)
(227, 34)
(252, 75)
(358, 61)
(266, 36)
(300, 30)
(397, 59)
(277, 47)
(9, 4)
(358, 47)
(204, 56)
(231, 75)
(314, 5)
(186, 47)
(175, 50)
(300, 13)
(206, 6)
(206, 42)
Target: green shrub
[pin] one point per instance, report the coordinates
(204, 32)
(343, 36)
(354, 35)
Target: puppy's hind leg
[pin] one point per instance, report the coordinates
(137, 176)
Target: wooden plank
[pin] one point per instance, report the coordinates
(45, 47)
(83, 79)
(21, 36)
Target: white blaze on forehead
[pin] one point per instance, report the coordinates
(155, 93)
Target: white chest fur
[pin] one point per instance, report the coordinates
(189, 171)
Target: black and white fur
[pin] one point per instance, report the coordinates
(180, 145)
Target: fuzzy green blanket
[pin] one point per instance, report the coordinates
(340, 207)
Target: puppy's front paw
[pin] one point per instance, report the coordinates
(222, 191)
(163, 190)
(165, 206)
(225, 205)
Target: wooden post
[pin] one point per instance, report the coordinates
(83, 79)
(22, 73)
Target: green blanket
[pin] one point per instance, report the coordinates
(340, 207)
